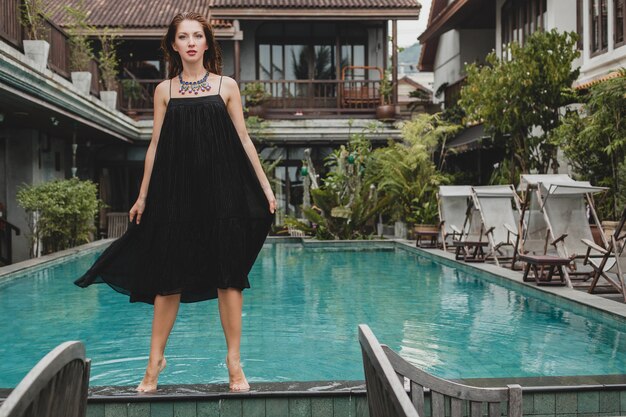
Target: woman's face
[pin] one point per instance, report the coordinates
(190, 41)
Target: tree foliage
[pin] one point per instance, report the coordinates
(518, 97)
(406, 173)
(60, 213)
(594, 140)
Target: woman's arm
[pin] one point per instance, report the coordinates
(160, 104)
(232, 98)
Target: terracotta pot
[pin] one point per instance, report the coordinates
(386, 112)
(257, 110)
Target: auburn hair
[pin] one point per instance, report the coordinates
(212, 59)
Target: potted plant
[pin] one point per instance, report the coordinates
(108, 63)
(255, 95)
(131, 90)
(386, 110)
(81, 51)
(33, 19)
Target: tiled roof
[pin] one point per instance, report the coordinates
(316, 4)
(129, 13)
(158, 13)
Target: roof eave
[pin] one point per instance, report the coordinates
(313, 13)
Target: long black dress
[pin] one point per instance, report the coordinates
(206, 215)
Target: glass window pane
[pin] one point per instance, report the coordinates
(619, 21)
(604, 23)
(324, 64)
(296, 62)
(265, 67)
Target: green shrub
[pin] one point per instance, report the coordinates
(60, 213)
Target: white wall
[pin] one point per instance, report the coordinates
(455, 49)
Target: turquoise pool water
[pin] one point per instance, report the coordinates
(301, 319)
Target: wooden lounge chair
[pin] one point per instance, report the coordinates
(386, 375)
(499, 209)
(470, 247)
(56, 386)
(452, 208)
(612, 265)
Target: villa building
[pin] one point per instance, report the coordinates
(321, 64)
(465, 31)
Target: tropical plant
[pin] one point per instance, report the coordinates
(60, 213)
(33, 18)
(345, 205)
(594, 140)
(515, 95)
(108, 60)
(386, 87)
(79, 29)
(255, 94)
(131, 89)
(406, 171)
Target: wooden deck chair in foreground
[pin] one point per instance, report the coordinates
(387, 374)
(56, 386)
(612, 265)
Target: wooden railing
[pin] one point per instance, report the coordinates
(11, 31)
(289, 98)
(6, 245)
(10, 27)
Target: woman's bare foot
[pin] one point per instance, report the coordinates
(236, 379)
(154, 369)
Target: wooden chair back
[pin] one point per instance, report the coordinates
(386, 396)
(56, 386)
(461, 400)
(117, 224)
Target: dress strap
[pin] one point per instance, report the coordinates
(220, 86)
(170, 88)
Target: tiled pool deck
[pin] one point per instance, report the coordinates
(555, 396)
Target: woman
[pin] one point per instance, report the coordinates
(205, 205)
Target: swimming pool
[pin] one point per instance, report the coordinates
(300, 322)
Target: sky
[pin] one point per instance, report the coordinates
(409, 30)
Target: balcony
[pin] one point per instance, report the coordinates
(289, 99)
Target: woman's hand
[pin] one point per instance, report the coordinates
(269, 194)
(137, 209)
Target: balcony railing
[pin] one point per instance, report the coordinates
(12, 32)
(288, 98)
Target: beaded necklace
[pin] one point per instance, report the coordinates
(193, 86)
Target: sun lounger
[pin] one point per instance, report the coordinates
(499, 209)
(452, 205)
(611, 267)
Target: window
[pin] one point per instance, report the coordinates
(579, 24)
(520, 19)
(620, 22)
(599, 23)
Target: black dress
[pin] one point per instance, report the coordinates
(206, 216)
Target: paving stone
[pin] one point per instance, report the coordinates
(609, 402)
(185, 409)
(253, 407)
(230, 408)
(208, 408)
(161, 409)
(277, 407)
(299, 407)
(588, 402)
(115, 410)
(95, 410)
(528, 404)
(545, 403)
(342, 407)
(139, 410)
(566, 403)
(321, 407)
